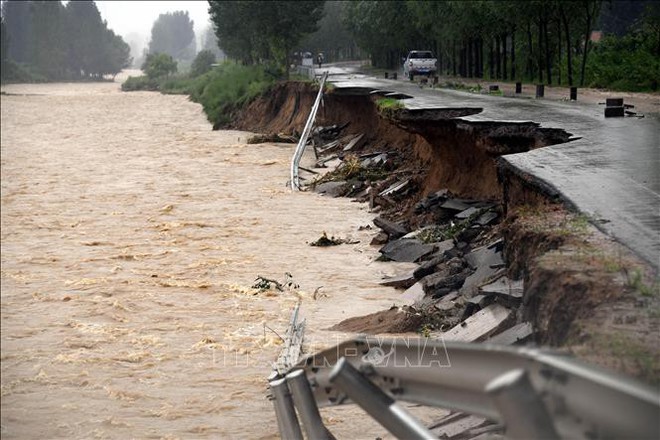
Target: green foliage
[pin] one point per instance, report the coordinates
(203, 63)
(545, 41)
(385, 29)
(636, 282)
(172, 33)
(389, 106)
(157, 65)
(59, 42)
(257, 31)
(625, 63)
(17, 73)
(226, 88)
(134, 83)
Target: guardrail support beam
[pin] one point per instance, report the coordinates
(287, 421)
(524, 414)
(304, 400)
(376, 403)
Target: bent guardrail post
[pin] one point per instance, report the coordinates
(524, 414)
(304, 401)
(287, 421)
(292, 348)
(376, 403)
(300, 148)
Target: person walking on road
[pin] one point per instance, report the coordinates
(319, 59)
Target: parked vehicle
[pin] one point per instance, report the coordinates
(419, 62)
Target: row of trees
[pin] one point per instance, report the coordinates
(60, 42)
(256, 31)
(542, 40)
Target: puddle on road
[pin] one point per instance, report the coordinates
(131, 234)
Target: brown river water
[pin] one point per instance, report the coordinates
(131, 236)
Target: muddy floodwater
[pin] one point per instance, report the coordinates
(131, 237)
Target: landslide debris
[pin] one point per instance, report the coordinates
(500, 258)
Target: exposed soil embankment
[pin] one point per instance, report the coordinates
(581, 290)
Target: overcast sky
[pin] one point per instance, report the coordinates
(126, 17)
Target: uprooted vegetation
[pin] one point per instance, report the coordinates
(499, 258)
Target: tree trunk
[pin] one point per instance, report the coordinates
(470, 64)
(498, 58)
(587, 38)
(540, 50)
(491, 59)
(453, 57)
(569, 49)
(548, 52)
(504, 56)
(559, 52)
(513, 53)
(530, 53)
(479, 48)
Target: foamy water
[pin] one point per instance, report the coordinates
(131, 234)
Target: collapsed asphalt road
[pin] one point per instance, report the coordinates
(608, 171)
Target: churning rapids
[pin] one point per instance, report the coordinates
(131, 235)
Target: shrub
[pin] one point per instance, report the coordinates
(157, 65)
(12, 72)
(221, 91)
(624, 63)
(203, 63)
(134, 83)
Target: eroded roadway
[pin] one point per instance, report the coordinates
(610, 171)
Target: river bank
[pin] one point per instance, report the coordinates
(583, 291)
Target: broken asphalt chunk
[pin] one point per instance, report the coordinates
(354, 142)
(394, 230)
(507, 291)
(485, 255)
(428, 267)
(374, 161)
(455, 205)
(486, 218)
(333, 189)
(414, 294)
(436, 283)
(516, 334)
(447, 302)
(480, 325)
(395, 188)
(469, 212)
(400, 281)
(406, 250)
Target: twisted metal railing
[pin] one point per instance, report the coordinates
(533, 393)
(300, 148)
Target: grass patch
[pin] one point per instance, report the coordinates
(389, 106)
(636, 282)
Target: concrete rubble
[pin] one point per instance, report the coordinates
(460, 286)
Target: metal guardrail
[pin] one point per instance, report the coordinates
(300, 148)
(534, 393)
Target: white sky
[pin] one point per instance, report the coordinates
(126, 17)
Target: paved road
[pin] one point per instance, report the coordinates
(611, 172)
